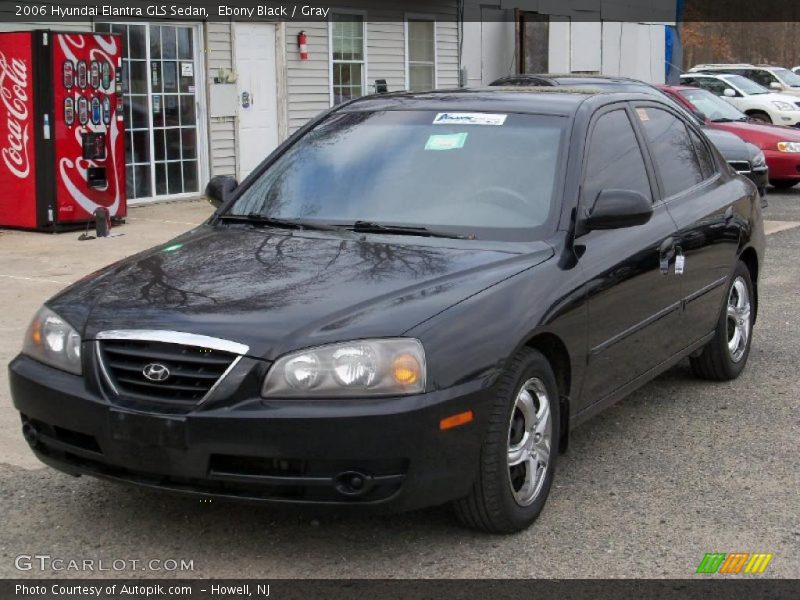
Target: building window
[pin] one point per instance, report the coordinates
(160, 96)
(421, 55)
(347, 49)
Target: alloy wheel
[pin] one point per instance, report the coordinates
(738, 319)
(529, 441)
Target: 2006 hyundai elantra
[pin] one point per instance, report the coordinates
(411, 301)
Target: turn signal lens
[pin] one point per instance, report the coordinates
(36, 332)
(406, 369)
(456, 420)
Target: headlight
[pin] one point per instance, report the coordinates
(789, 146)
(784, 105)
(362, 368)
(759, 160)
(53, 341)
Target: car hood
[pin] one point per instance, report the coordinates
(276, 291)
(763, 135)
(731, 146)
(775, 97)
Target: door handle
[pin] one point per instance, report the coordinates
(666, 253)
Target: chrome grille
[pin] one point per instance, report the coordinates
(180, 374)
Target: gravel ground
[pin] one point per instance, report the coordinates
(680, 468)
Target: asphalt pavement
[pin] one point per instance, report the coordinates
(680, 468)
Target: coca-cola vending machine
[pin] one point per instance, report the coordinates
(62, 137)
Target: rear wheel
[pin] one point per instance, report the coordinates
(518, 456)
(783, 184)
(725, 356)
(760, 116)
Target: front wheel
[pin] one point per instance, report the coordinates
(518, 455)
(726, 354)
(760, 116)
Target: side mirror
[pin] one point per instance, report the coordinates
(615, 209)
(220, 188)
(729, 93)
(700, 115)
(774, 85)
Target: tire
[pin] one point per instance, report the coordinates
(726, 355)
(760, 116)
(507, 499)
(783, 184)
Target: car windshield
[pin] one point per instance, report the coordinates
(713, 107)
(788, 77)
(489, 176)
(745, 85)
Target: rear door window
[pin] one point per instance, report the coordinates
(672, 150)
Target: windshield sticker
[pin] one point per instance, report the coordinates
(452, 141)
(469, 119)
(643, 116)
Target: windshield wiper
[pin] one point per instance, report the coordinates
(261, 220)
(370, 227)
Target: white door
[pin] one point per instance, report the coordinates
(258, 98)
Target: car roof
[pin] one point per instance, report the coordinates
(555, 100)
(723, 66)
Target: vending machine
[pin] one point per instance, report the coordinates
(62, 137)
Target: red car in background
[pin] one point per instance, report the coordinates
(781, 145)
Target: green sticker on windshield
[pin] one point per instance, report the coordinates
(447, 141)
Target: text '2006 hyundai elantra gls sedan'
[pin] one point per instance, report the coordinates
(411, 302)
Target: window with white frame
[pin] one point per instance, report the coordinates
(347, 55)
(421, 54)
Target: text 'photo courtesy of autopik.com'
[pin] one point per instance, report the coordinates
(399, 299)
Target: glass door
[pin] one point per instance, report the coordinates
(160, 95)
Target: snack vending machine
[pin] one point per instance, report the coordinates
(62, 136)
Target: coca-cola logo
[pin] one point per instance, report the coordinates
(14, 95)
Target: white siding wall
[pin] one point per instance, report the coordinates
(221, 130)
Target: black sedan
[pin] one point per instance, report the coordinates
(411, 302)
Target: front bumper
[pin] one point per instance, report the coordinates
(760, 177)
(304, 452)
(783, 166)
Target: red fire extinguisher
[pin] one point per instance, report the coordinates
(302, 41)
